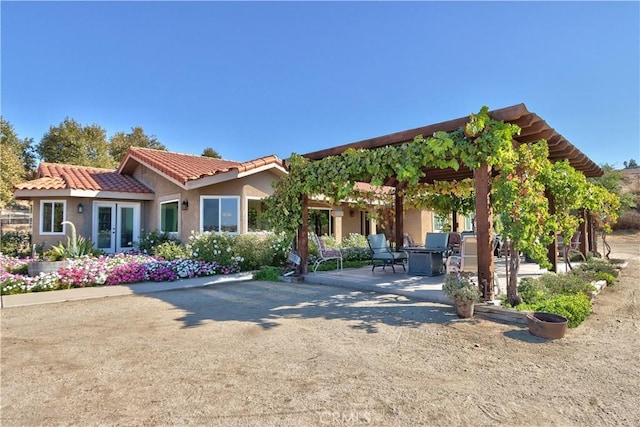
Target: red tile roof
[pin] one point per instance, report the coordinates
(187, 167)
(53, 176)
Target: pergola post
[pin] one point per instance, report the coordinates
(590, 230)
(552, 249)
(584, 233)
(484, 230)
(399, 218)
(303, 237)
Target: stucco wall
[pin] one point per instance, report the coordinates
(256, 185)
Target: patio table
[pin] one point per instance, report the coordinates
(424, 261)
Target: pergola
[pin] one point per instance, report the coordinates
(533, 128)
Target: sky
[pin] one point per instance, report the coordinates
(250, 79)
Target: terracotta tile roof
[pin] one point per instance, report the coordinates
(188, 167)
(53, 176)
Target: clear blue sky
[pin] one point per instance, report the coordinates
(252, 79)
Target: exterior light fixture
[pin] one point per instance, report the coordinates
(80, 208)
(185, 205)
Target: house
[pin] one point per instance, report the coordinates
(175, 193)
(150, 190)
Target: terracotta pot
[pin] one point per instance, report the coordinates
(464, 309)
(36, 267)
(547, 325)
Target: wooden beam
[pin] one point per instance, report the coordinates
(399, 219)
(303, 237)
(553, 247)
(584, 232)
(484, 230)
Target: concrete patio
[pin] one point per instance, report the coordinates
(424, 288)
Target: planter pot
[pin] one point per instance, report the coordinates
(36, 267)
(547, 325)
(464, 309)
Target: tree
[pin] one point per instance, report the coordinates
(612, 181)
(72, 143)
(120, 143)
(16, 161)
(210, 152)
(631, 164)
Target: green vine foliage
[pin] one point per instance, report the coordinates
(524, 175)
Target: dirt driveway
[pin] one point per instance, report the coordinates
(297, 355)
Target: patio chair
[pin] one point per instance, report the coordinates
(467, 261)
(568, 251)
(436, 240)
(455, 239)
(408, 242)
(326, 254)
(382, 255)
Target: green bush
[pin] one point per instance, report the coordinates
(598, 265)
(355, 248)
(171, 250)
(531, 290)
(150, 239)
(576, 308)
(15, 243)
(268, 274)
(609, 278)
(252, 249)
(213, 247)
(565, 284)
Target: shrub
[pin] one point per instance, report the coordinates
(597, 265)
(531, 290)
(609, 278)
(213, 247)
(253, 249)
(170, 250)
(355, 248)
(565, 284)
(15, 243)
(575, 308)
(460, 289)
(279, 246)
(150, 239)
(268, 273)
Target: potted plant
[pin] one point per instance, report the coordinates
(463, 292)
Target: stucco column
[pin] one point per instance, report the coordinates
(372, 225)
(337, 213)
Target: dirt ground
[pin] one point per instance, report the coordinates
(276, 354)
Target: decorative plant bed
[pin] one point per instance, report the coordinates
(547, 325)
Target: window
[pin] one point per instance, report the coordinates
(441, 222)
(255, 215)
(320, 221)
(51, 216)
(169, 216)
(219, 214)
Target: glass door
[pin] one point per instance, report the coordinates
(104, 228)
(116, 226)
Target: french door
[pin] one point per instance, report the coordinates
(116, 226)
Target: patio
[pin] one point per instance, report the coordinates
(423, 288)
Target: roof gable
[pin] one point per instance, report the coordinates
(53, 176)
(186, 169)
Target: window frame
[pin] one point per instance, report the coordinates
(164, 202)
(220, 198)
(246, 214)
(42, 219)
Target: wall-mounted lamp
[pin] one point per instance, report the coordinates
(80, 208)
(351, 213)
(185, 205)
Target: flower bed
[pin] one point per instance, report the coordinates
(105, 271)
